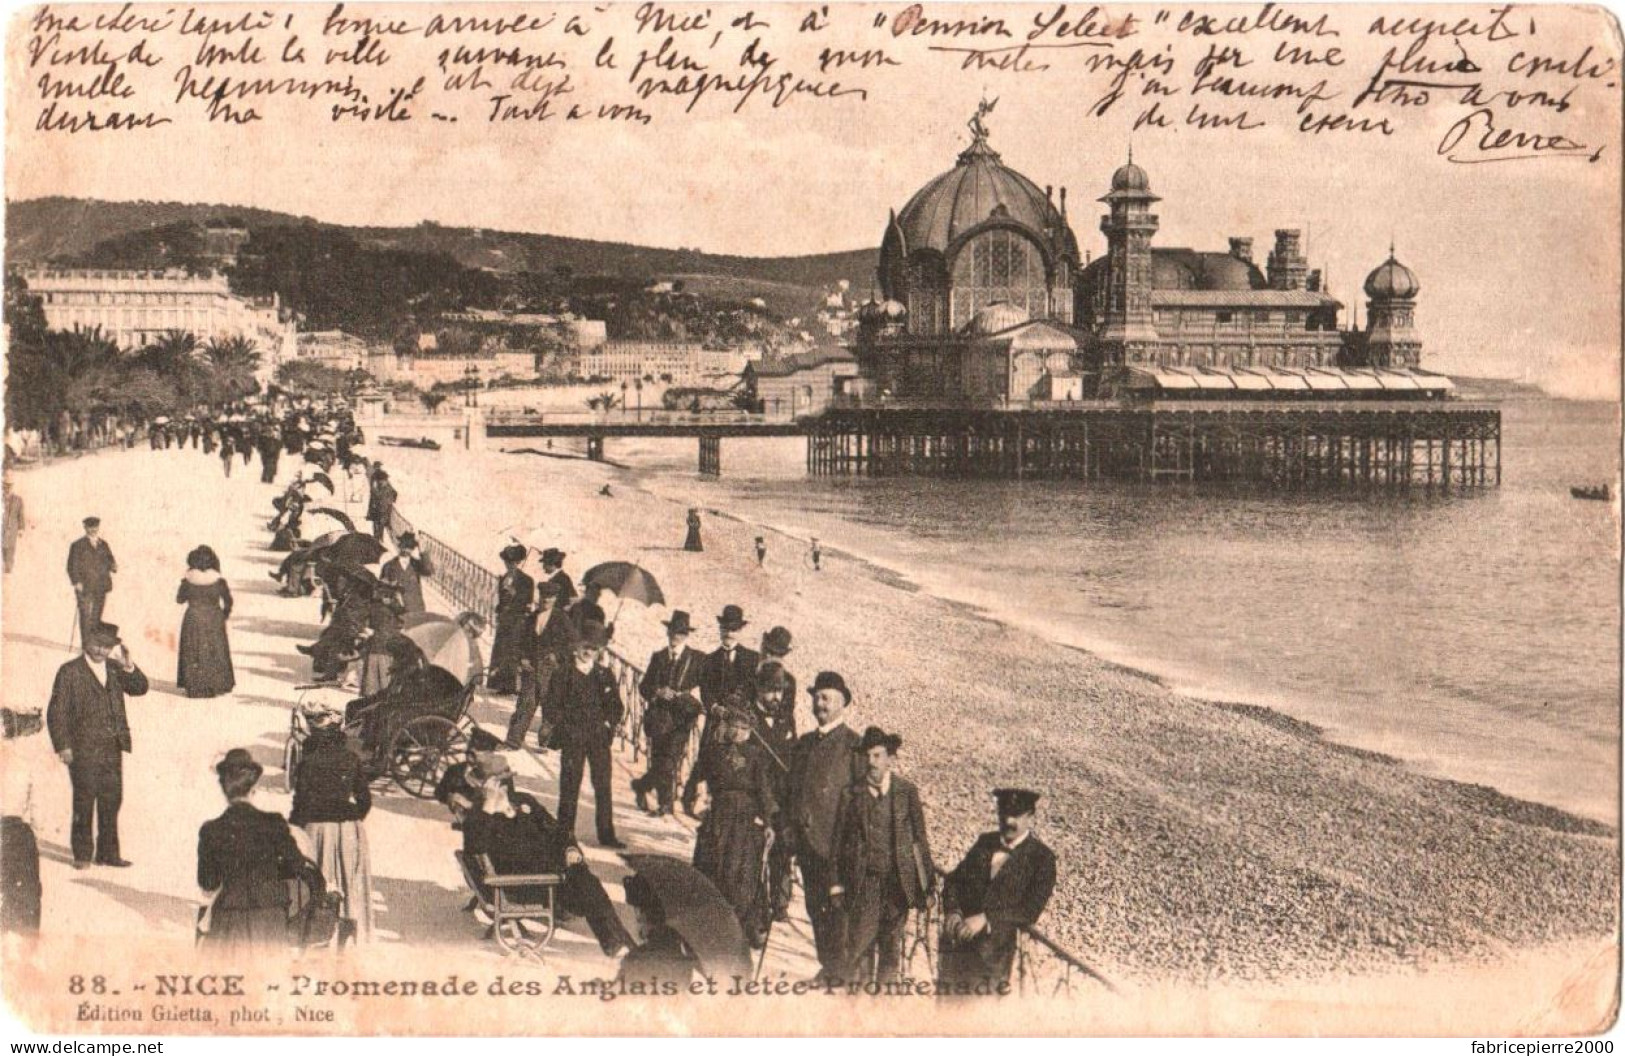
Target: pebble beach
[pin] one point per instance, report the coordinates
(1199, 841)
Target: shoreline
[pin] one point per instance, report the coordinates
(1186, 685)
(1218, 841)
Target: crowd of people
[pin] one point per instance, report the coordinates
(827, 803)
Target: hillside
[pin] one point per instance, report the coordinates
(46, 229)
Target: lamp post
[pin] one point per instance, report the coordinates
(639, 386)
(624, 387)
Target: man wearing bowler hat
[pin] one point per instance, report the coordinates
(1003, 884)
(883, 864)
(825, 762)
(671, 695)
(90, 569)
(732, 667)
(583, 707)
(90, 733)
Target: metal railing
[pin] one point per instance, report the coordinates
(473, 588)
(1042, 967)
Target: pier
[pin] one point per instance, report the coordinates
(1358, 444)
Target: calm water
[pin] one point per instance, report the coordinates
(1476, 637)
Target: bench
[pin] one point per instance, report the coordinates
(507, 909)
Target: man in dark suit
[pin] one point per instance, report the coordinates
(553, 569)
(515, 608)
(824, 763)
(883, 864)
(732, 667)
(381, 503)
(90, 733)
(671, 694)
(90, 569)
(583, 707)
(1004, 882)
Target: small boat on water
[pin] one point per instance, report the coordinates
(422, 442)
(1600, 492)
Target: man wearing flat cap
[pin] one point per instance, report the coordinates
(90, 569)
(883, 864)
(671, 696)
(583, 707)
(1004, 883)
(825, 762)
(90, 732)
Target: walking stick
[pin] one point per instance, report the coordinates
(73, 632)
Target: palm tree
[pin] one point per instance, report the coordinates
(233, 361)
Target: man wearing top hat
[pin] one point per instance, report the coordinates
(90, 733)
(583, 707)
(553, 569)
(732, 667)
(90, 569)
(1004, 883)
(883, 864)
(825, 762)
(406, 572)
(671, 695)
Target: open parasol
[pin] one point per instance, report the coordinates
(696, 910)
(445, 644)
(338, 515)
(629, 581)
(347, 548)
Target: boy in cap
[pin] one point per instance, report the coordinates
(1004, 883)
(90, 732)
(90, 569)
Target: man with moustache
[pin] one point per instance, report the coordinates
(583, 707)
(1004, 883)
(825, 762)
(732, 667)
(671, 694)
(882, 861)
(90, 732)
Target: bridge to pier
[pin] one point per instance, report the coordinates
(708, 428)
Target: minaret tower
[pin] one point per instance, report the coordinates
(1391, 337)
(1128, 328)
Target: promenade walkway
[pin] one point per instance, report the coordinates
(155, 507)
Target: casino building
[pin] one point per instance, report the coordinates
(984, 301)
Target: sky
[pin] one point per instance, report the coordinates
(1519, 262)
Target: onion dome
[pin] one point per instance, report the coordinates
(1130, 178)
(870, 311)
(998, 317)
(1392, 281)
(978, 189)
(893, 310)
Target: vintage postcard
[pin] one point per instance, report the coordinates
(811, 519)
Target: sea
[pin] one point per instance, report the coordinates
(1470, 636)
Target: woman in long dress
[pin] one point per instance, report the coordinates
(692, 542)
(205, 651)
(245, 858)
(331, 799)
(733, 837)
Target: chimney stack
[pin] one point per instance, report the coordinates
(1242, 249)
(1287, 268)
